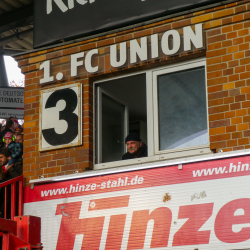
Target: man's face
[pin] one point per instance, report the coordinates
(3, 160)
(133, 146)
(19, 139)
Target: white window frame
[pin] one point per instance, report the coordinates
(154, 154)
(174, 68)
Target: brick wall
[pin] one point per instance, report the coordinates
(227, 32)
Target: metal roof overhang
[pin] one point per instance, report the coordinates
(16, 26)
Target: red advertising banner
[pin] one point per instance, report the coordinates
(204, 205)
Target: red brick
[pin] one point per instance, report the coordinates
(227, 58)
(216, 81)
(233, 63)
(218, 52)
(238, 40)
(239, 84)
(238, 18)
(214, 46)
(240, 98)
(181, 24)
(217, 95)
(227, 29)
(219, 123)
(246, 133)
(216, 131)
(216, 145)
(230, 114)
(232, 143)
(245, 75)
(236, 135)
(228, 72)
(232, 35)
(218, 109)
(218, 38)
(231, 128)
(217, 138)
(218, 116)
(246, 119)
(227, 20)
(243, 126)
(243, 141)
(234, 106)
(215, 102)
(240, 69)
(240, 9)
(241, 112)
(227, 43)
(236, 120)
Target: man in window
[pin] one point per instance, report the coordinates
(135, 147)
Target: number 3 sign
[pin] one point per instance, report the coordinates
(60, 117)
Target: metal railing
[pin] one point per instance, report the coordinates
(12, 191)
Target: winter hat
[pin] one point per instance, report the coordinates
(18, 130)
(16, 121)
(8, 135)
(132, 137)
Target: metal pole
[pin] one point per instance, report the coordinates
(3, 75)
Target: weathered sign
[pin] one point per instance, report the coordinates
(88, 17)
(11, 102)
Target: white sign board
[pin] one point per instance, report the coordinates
(11, 102)
(12, 97)
(204, 205)
(6, 113)
(60, 117)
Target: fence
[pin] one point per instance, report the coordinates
(12, 191)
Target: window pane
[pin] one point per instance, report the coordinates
(113, 122)
(182, 109)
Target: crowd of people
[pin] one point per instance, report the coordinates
(11, 150)
(11, 159)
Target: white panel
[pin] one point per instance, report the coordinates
(54, 117)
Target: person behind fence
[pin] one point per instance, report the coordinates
(9, 127)
(18, 130)
(7, 172)
(16, 149)
(19, 138)
(135, 147)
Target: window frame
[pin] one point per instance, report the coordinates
(174, 68)
(154, 154)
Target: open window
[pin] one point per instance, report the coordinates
(166, 107)
(121, 109)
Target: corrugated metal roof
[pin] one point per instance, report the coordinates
(16, 26)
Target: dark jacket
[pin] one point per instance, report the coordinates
(143, 152)
(16, 150)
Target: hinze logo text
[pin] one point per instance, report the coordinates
(190, 233)
(63, 7)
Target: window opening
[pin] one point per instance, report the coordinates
(121, 109)
(166, 107)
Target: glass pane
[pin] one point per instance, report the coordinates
(182, 109)
(113, 122)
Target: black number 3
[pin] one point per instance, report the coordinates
(70, 97)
